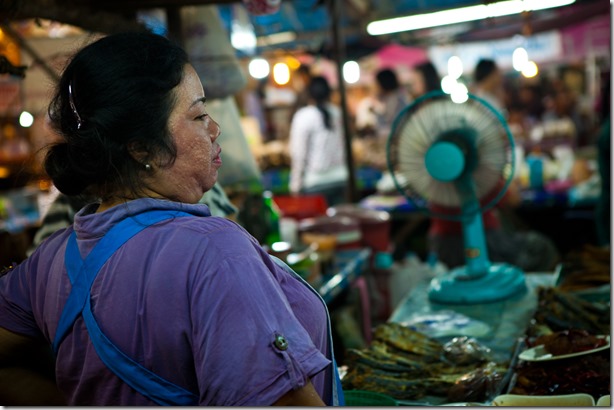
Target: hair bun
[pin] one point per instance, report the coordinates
(59, 168)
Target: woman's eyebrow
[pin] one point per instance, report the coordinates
(200, 100)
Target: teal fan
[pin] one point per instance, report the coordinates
(454, 161)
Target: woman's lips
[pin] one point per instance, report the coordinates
(218, 158)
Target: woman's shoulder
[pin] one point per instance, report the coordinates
(307, 111)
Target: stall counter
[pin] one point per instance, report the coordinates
(502, 323)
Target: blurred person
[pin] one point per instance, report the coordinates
(381, 109)
(603, 209)
(562, 106)
(425, 79)
(488, 84)
(300, 81)
(171, 305)
(316, 145)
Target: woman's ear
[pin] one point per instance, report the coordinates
(138, 152)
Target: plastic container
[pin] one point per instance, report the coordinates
(374, 225)
(536, 171)
(567, 400)
(301, 206)
(346, 230)
(366, 398)
(382, 273)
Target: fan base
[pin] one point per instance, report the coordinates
(459, 287)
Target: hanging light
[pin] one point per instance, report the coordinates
(455, 67)
(460, 93)
(258, 68)
(520, 58)
(281, 73)
(26, 119)
(351, 72)
(447, 84)
(530, 69)
(242, 35)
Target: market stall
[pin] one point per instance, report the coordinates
(484, 354)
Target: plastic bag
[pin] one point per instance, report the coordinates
(479, 385)
(464, 350)
(239, 166)
(211, 54)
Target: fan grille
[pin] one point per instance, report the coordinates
(423, 123)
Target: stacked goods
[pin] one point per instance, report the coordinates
(558, 310)
(569, 341)
(586, 268)
(408, 365)
(584, 373)
(572, 330)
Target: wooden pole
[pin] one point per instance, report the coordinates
(339, 47)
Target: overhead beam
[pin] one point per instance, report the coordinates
(114, 5)
(80, 16)
(33, 54)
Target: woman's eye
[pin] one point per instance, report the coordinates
(202, 117)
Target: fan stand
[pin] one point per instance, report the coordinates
(500, 282)
(479, 281)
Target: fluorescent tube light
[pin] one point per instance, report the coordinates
(277, 38)
(460, 15)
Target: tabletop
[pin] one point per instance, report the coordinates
(497, 325)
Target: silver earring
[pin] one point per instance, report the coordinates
(147, 167)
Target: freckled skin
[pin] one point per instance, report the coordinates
(195, 134)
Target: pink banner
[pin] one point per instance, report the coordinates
(592, 35)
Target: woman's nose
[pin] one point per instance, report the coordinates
(217, 131)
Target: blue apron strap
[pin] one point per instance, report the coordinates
(82, 275)
(132, 373)
(337, 398)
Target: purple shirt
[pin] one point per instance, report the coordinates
(195, 300)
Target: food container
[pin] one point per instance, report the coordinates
(604, 401)
(374, 225)
(325, 247)
(301, 206)
(345, 229)
(568, 400)
(363, 398)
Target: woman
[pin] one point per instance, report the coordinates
(316, 146)
(171, 305)
(425, 79)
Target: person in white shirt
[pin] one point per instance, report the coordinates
(316, 145)
(488, 84)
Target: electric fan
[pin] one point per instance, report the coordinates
(455, 161)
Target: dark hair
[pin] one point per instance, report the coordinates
(483, 69)
(432, 82)
(320, 91)
(387, 79)
(115, 93)
(304, 69)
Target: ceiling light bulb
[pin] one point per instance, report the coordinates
(530, 69)
(281, 73)
(258, 68)
(455, 67)
(520, 58)
(26, 119)
(351, 72)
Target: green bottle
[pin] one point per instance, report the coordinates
(272, 217)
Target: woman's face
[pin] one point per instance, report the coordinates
(195, 134)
